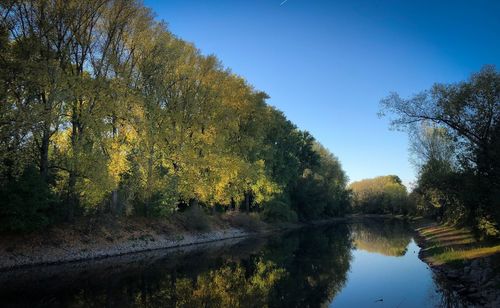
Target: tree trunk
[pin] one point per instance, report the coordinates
(72, 199)
(149, 180)
(233, 204)
(114, 202)
(247, 202)
(114, 193)
(44, 145)
(194, 203)
(44, 154)
(70, 214)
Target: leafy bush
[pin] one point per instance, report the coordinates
(278, 211)
(26, 203)
(487, 227)
(163, 205)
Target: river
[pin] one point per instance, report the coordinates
(373, 263)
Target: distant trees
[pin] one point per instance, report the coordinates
(456, 133)
(321, 190)
(380, 195)
(118, 115)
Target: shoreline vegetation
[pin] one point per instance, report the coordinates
(469, 266)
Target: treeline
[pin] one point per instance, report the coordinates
(103, 110)
(381, 195)
(455, 134)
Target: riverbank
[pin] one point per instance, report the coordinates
(108, 237)
(79, 249)
(468, 266)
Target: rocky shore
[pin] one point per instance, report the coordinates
(475, 281)
(101, 240)
(97, 240)
(14, 257)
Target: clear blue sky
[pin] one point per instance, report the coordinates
(327, 64)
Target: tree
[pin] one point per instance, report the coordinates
(121, 116)
(380, 195)
(466, 116)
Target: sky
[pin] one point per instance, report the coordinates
(327, 64)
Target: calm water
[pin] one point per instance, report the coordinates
(369, 264)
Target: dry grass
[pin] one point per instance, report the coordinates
(447, 244)
(193, 219)
(467, 254)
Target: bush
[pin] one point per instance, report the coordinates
(26, 203)
(487, 227)
(194, 218)
(278, 211)
(248, 222)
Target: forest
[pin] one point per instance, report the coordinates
(105, 111)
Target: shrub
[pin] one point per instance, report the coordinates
(25, 203)
(249, 222)
(194, 218)
(487, 227)
(278, 211)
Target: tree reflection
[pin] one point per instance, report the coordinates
(303, 268)
(387, 237)
(317, 266)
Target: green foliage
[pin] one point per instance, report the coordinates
(308, 198)
(163, 205)
(26, 203)
(278, 211)
(321, 190)
(439, 194)
(380, 195)
(134, 120)
(455, 131)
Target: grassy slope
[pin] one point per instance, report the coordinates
(467, 267)
(447, 244)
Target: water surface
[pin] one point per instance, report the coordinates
(373, 263)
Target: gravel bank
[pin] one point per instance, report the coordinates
(55, 254)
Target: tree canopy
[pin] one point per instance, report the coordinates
(455, 130)
(380, 195)
(119, 115)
